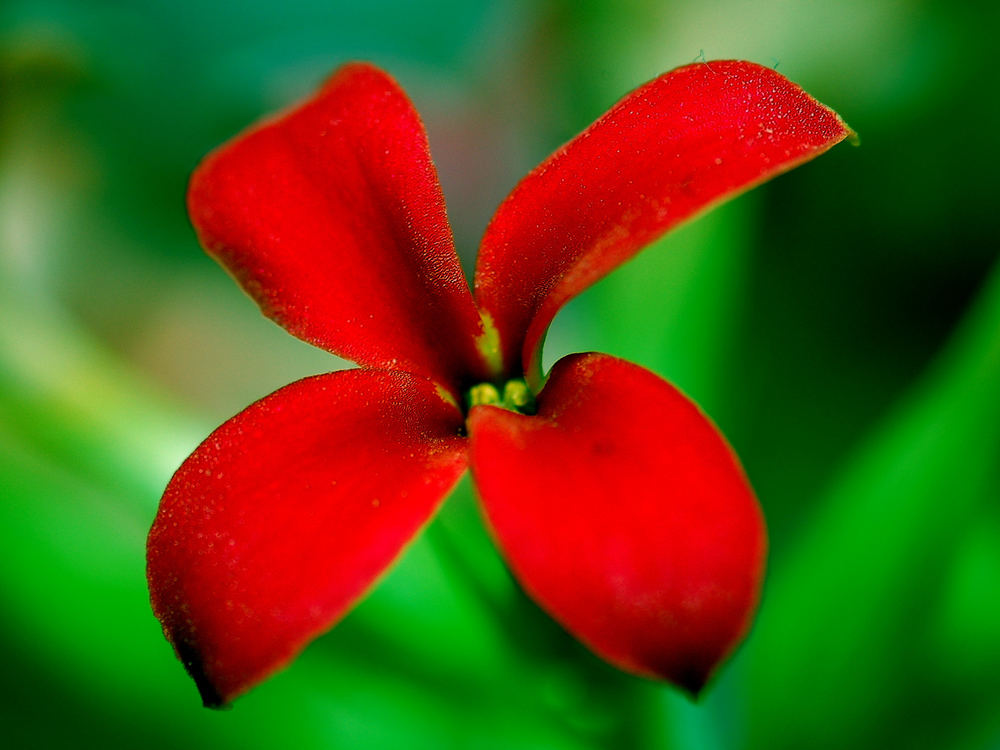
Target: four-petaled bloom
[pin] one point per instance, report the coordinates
(616, 503)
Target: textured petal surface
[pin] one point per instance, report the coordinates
(625, 515)
(289, 511)
(331, 217)
(673, 147)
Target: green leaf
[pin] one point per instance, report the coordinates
(838, 617)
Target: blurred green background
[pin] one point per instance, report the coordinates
(842, 325)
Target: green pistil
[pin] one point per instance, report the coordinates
(517, 396)
(484, 394)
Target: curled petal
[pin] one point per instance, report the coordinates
(681, 143)
(625, 515)
(288, 512)
(331, 217)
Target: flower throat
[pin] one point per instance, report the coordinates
(515, 396)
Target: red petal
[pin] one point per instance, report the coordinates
(288, 512)
(331, 217)
(625, 515)
(677, 145)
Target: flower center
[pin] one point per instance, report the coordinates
(516, 396)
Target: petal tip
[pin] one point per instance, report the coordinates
(690, 675)
(211, 696)
(692, 684)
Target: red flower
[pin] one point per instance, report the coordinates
(617, 504)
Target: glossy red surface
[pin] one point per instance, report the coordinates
(289, 511)
(331, 217)
(676, 146)
(625, 515)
